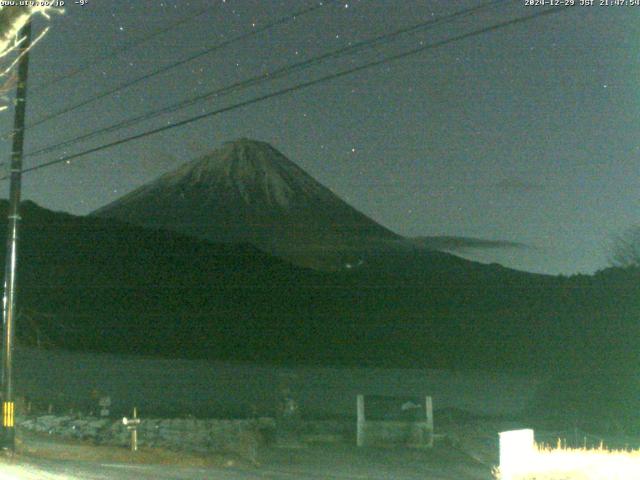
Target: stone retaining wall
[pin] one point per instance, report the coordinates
(242, 437)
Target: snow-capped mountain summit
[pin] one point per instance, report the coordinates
(254, 171)
(247, 191)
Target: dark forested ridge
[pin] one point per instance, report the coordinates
(93, 284)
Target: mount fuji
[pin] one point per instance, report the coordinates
(249, 192)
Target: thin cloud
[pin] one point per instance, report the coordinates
(460, 244)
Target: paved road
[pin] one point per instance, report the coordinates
(338, 463)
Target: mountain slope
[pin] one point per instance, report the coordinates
(247, 191)
(93, 284)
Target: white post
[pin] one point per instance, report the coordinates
(134, 432)
(132, 426)
(517, 450)
(361, 420)
(428, 405)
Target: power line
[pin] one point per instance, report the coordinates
(119, 51)
(123, 86)
(268, 76)
(300, 86)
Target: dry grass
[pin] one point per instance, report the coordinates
(561, 463)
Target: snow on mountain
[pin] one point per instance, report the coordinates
(247, 191)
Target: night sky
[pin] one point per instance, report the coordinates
(527, 134)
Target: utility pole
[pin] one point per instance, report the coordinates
(9, 299)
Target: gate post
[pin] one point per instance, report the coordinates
(361, 420)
